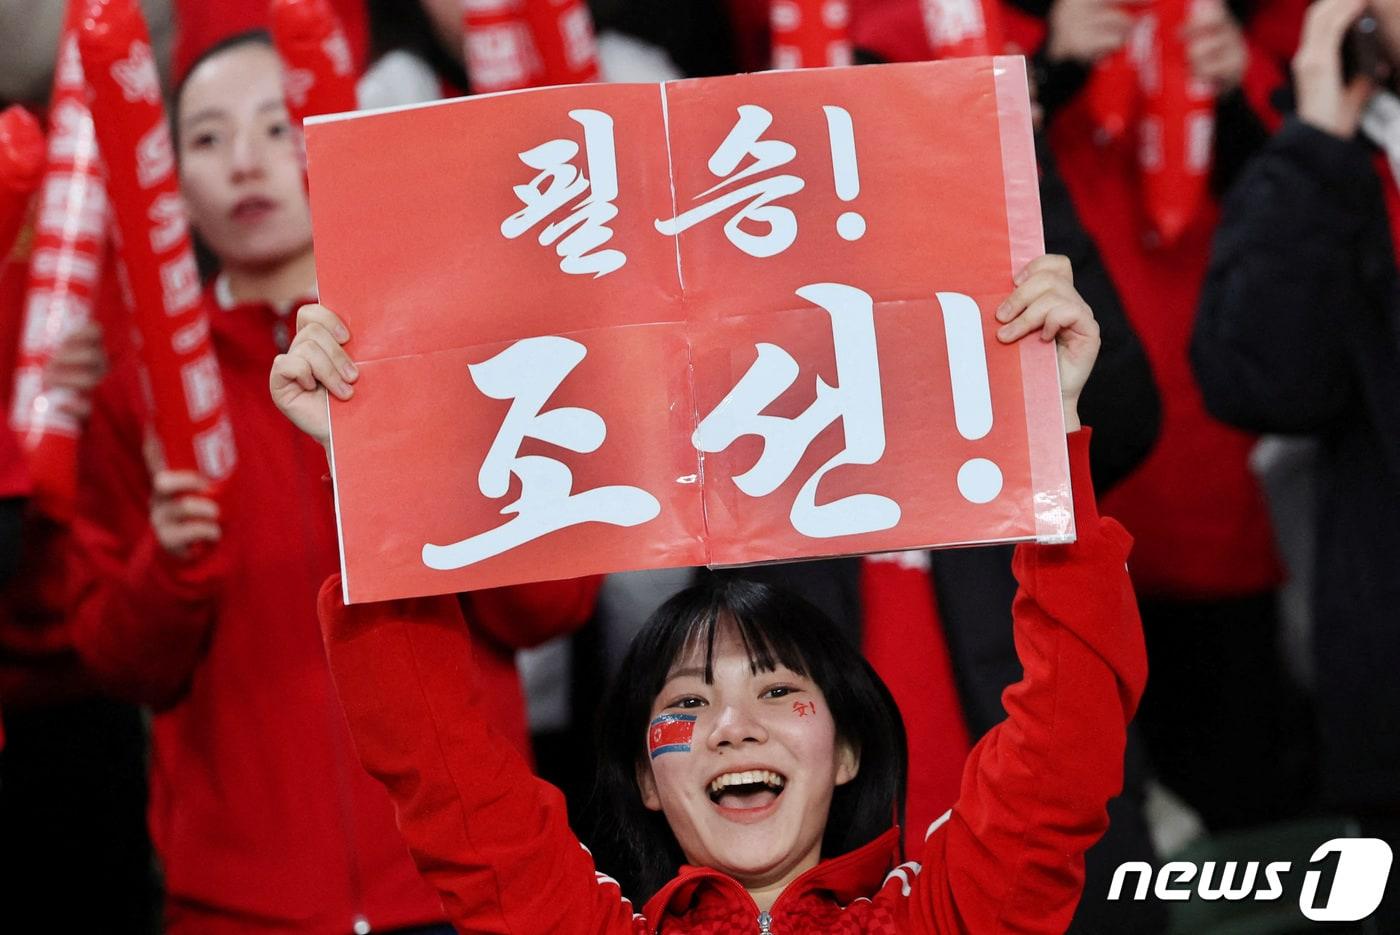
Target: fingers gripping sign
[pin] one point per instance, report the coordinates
(1046, 301)
(315, 362)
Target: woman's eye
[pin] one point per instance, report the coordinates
(688, 702)
(203, 140)
(779, 691)
(279, 130)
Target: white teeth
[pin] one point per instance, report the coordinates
(748, 777)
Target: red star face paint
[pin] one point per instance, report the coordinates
(670, 733)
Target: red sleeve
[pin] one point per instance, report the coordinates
(1010, 854)
(526, 615)
(492, 838)
(141, 619)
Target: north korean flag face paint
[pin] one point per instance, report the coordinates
(670, 733)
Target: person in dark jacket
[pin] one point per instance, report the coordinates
(1297, 333)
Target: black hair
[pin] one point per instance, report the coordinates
(776, 627)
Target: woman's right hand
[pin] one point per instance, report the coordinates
(314, 363)
(1325, 100)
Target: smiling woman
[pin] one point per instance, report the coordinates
(753, 765)
(797, 748)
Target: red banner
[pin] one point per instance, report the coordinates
(716, 321)
(65, 269)
(563, 31)
(161, 278)
(318, 74)
(515, 44)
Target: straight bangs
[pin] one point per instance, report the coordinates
(767, 633)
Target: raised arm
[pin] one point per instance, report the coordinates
(492, 838)
(1010, 855)
(527, 615)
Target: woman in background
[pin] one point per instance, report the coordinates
(200, 604)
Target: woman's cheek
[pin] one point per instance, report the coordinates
(195, 190)
(669, 744)
(812, 731)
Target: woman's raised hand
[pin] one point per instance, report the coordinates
(314, 363)
(1046, 301)
(1326, 100)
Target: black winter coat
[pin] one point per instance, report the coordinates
(1297, 333)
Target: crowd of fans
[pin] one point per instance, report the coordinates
(173, 748)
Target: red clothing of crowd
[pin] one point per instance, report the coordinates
(495, 842)
(37, 663)
(262, 817)
(1195, 509)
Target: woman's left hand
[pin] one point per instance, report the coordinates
(1046, 301)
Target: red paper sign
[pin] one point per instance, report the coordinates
(715, 321)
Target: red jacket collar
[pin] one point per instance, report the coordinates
(839, 880)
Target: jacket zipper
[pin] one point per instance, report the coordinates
(765, 924)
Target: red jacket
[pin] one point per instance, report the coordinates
(495, 842)
(262, 817)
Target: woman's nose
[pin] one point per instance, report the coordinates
(735, 725)
(248, 157)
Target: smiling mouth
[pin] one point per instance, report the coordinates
(751, 789)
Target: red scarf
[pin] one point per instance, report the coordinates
(1146, 90)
